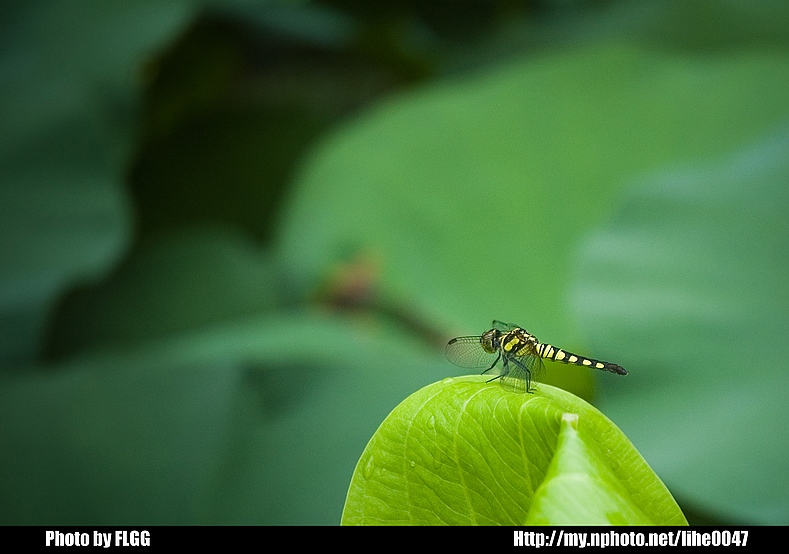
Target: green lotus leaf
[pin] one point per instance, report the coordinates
(465, 452)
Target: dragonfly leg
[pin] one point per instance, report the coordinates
(494, 364)
(503, 373)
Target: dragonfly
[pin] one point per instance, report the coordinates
(521, 355)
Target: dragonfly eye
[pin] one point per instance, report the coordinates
(490, 341)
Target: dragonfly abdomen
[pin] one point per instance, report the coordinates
(550, 352)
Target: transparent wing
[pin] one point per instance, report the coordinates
(503, 327)
(468, 352)
(521, 373)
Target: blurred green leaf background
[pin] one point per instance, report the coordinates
(234, 235)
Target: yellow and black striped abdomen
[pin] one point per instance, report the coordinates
(550, 352)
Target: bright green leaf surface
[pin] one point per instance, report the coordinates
(691, 284)
(580, 487)
(462, 452)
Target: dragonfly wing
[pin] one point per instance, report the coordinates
(468, 352)
(513, 377)
(503, 327)
(523, 372)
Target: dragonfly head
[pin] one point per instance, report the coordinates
(491, 341)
